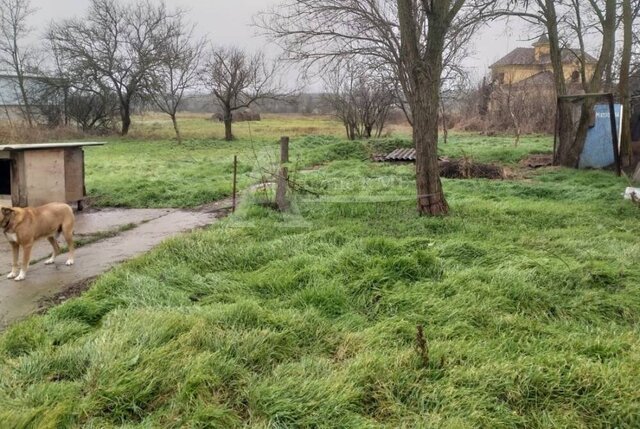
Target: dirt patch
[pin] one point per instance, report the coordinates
(537, 161)
(463, 168)
(73, 291)
(467, 169)
(220, 208)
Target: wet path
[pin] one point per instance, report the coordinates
(20, 299)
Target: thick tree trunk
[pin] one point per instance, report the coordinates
(423, 70)
(431, 200)
(623, 87)
(564, 157)
(174, 120)
(228, 127)
(565, 115)
(125, 116)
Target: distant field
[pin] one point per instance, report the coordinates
(528, 294)
(200, 126)
(149, 169)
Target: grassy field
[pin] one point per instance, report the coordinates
(149, 169)
(528, 294)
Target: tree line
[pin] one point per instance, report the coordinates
(372, 54)
(96, 67)
(418, 44)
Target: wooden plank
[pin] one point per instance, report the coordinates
(283, 177)
(18, 180)
(74, 177)
(34, 146)
(45, 176)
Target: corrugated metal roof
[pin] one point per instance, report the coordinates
(401, 155)
(11, 147)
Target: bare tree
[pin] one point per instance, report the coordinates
(117, 46)
(237, 80)
(361, 99)
(177, 73)
(630, 12)
(339, 88)
(568, 19)
(93, 111)
(412, 38)
(522, 107)
(14, 28)
(606, 24)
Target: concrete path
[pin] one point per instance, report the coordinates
(20, 299)
(88, 225)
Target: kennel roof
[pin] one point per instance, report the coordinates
(29, 146)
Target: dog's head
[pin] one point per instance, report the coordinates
(7, 216)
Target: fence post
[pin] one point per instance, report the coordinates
(283, 176)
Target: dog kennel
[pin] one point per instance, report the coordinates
(36, 174)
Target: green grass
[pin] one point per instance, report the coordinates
(164, 174)
(528, 293)
(161, 173)
(158, 126)
(157, 172)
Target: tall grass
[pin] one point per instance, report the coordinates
(528, 294)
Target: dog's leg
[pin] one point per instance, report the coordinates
(26, 259)
(56, 251)
(15, 249)
(67, 230)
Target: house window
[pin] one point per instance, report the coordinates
(575, 76)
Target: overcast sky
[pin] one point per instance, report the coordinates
(228, 22)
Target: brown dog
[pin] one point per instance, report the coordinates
(23, 226)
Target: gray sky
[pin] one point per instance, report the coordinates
(228, 22)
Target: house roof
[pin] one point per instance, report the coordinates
(527, 57)
(543, 40)
(544, 78)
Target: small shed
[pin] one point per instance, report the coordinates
(36, 174)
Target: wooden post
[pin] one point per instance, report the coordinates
(614, 134)
(555, 131)
(283, 176)
(235, 181)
